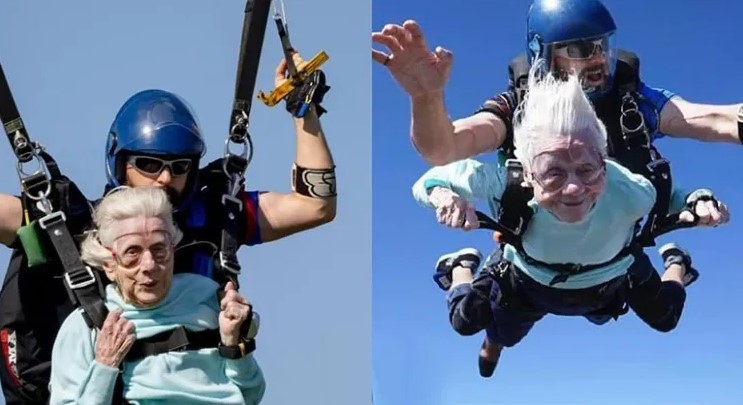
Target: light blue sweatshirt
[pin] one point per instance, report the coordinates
(186, 377)
(598, 238)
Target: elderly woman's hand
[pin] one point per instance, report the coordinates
(235, 309)
(114, 340)
(709, 210)
(452, 210)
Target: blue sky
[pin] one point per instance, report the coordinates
(72, 64)
(419, 359)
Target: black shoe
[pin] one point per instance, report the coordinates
(673, 254)
(487, 367)
(467, 257)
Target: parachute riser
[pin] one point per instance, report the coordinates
(297, 74)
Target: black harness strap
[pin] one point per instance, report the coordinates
(13, 124)
(642, 158)
(569, 269)
(227, 262)
(513, 212)
(234, 166)
(82, 283)
(251, 46)
(178, 339)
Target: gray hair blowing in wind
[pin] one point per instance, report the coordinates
(554, 108)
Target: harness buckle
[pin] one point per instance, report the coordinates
(515, 232)
(81, 278)
(234, 200)
(229, 263)
(52, 218)
(40, 179)
(245, 154)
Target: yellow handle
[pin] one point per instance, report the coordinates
(279, 93)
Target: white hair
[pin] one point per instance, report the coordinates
(118, 205)
(554, 107)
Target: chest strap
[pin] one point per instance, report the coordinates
(178, 339)
(566, 270)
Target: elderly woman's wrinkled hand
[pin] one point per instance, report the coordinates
(234, 310)
(709, 211)
(114, 340)
(452, 210)
(416, 69)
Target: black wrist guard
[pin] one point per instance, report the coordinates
(243, 348)
(308, 93)
(315, 183)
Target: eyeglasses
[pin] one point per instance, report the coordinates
(555, 178)
(152, 166)
(581, 49)
(132, 257)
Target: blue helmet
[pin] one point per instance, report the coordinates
(574, 28)
(153, 122)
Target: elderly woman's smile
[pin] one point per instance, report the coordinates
(567, 173)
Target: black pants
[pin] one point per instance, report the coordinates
(508, 303)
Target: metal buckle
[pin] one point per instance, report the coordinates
(232, 199)
(226, 264)
(45, 221)
(515, 232)
(247, 150)
(42, 169)
(631, 108)
(74, 285)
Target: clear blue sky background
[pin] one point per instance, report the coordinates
(72, 64)
(685, 46)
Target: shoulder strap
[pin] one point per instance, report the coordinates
(234, 166)
(518, 76)
(231, 216)
(82, 284)
(514, 213)
(627, 72)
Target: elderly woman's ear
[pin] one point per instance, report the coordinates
(109, 267)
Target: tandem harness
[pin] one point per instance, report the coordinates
(629, 143)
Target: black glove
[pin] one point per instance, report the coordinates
(310, 92)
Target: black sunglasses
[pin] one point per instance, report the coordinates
(150, 166)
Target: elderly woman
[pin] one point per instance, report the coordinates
(585, 209)
(140, 354)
